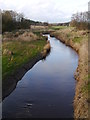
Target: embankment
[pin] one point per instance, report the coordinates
(10, 82)
(20, 56)
(78, 40)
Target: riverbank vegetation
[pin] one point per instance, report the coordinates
(18, 52)
(20, 42)
(78, 40)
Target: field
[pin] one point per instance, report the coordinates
(17, 53)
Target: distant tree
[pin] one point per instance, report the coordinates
(45, 23)
(80, 20)
(7, 21)
(12, 20)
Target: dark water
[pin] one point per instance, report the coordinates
(47, 90)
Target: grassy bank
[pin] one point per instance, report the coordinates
(57, 27)
(17, 53)
(78, 40)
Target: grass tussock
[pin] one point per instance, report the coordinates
(77, 39)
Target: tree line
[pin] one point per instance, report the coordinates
(12, 20)
(81, 20)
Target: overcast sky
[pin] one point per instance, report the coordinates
(46, 10)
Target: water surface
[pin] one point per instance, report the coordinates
(47, 90)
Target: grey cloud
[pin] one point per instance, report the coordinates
(45, 10)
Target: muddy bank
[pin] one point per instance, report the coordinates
(81, 95)
(9, 84)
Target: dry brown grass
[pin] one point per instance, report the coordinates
(28, 36)
(25, 36)
(79, 41)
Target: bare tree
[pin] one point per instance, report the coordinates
(80, 20)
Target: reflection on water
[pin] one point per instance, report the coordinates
(47, 90)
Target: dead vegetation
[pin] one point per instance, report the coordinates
(78, 40)
(27, 36)
(46, 49)
(23, 36)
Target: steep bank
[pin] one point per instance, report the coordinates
(78, 40)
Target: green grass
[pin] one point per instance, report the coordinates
(89, 87)
(22, 53)
(68, 35)
(77, 39)
(89, 82)
(58, 27)
(37, 33)
(86, 88)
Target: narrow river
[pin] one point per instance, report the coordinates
(47, 90)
